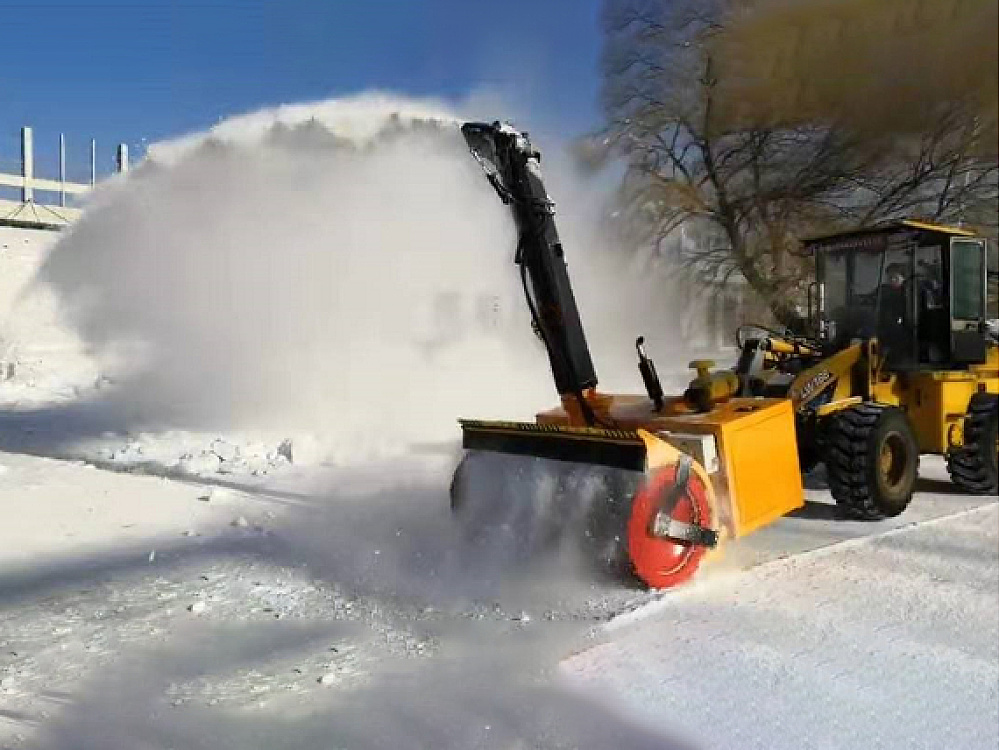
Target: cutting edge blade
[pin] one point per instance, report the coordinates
(619, 449)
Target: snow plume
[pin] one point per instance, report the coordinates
(341, 269)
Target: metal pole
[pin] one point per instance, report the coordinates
(27, 166)
(93, 162)
(123, 157)
(62, 169)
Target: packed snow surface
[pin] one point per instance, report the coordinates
(886, 641)
(349, 610)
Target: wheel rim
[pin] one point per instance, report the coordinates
(892, 460)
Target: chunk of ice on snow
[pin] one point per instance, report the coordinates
(205, 463)
(225, 450)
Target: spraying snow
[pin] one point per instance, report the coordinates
(303, 270)
(340, 270)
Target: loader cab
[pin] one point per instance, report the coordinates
(919, 288)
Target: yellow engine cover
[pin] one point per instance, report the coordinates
(759, 479)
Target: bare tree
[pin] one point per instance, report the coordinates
(749, 187)
(944, 173)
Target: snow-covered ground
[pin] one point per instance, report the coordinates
(344, 612)
(889, 640)
(342, 608)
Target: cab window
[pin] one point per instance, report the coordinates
(967, 280)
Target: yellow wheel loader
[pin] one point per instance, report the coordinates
(903, 363)
(898, 364)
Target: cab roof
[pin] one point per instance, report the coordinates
(894, 226)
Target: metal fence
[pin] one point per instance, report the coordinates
(28, 212)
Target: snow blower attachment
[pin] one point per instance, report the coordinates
(677, 474)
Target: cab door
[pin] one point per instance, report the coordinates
(968, 301)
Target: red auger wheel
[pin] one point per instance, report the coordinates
(664, 562)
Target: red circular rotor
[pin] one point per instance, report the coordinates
(662, 563)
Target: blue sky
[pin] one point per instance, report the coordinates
(129, 70)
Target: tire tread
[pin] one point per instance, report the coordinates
(847, 460)
(968, 465)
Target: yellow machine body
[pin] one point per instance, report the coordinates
(935, 401)
(726, 457)
(758, 478)
(745, 446)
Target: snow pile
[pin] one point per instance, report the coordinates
(184, 454)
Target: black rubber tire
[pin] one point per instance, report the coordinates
(808, 444)
(973, 467)
(856, 439)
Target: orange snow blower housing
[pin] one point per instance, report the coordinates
(685, 472)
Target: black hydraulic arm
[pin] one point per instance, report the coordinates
(512, 167)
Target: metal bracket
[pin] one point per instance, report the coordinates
(664, 526)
